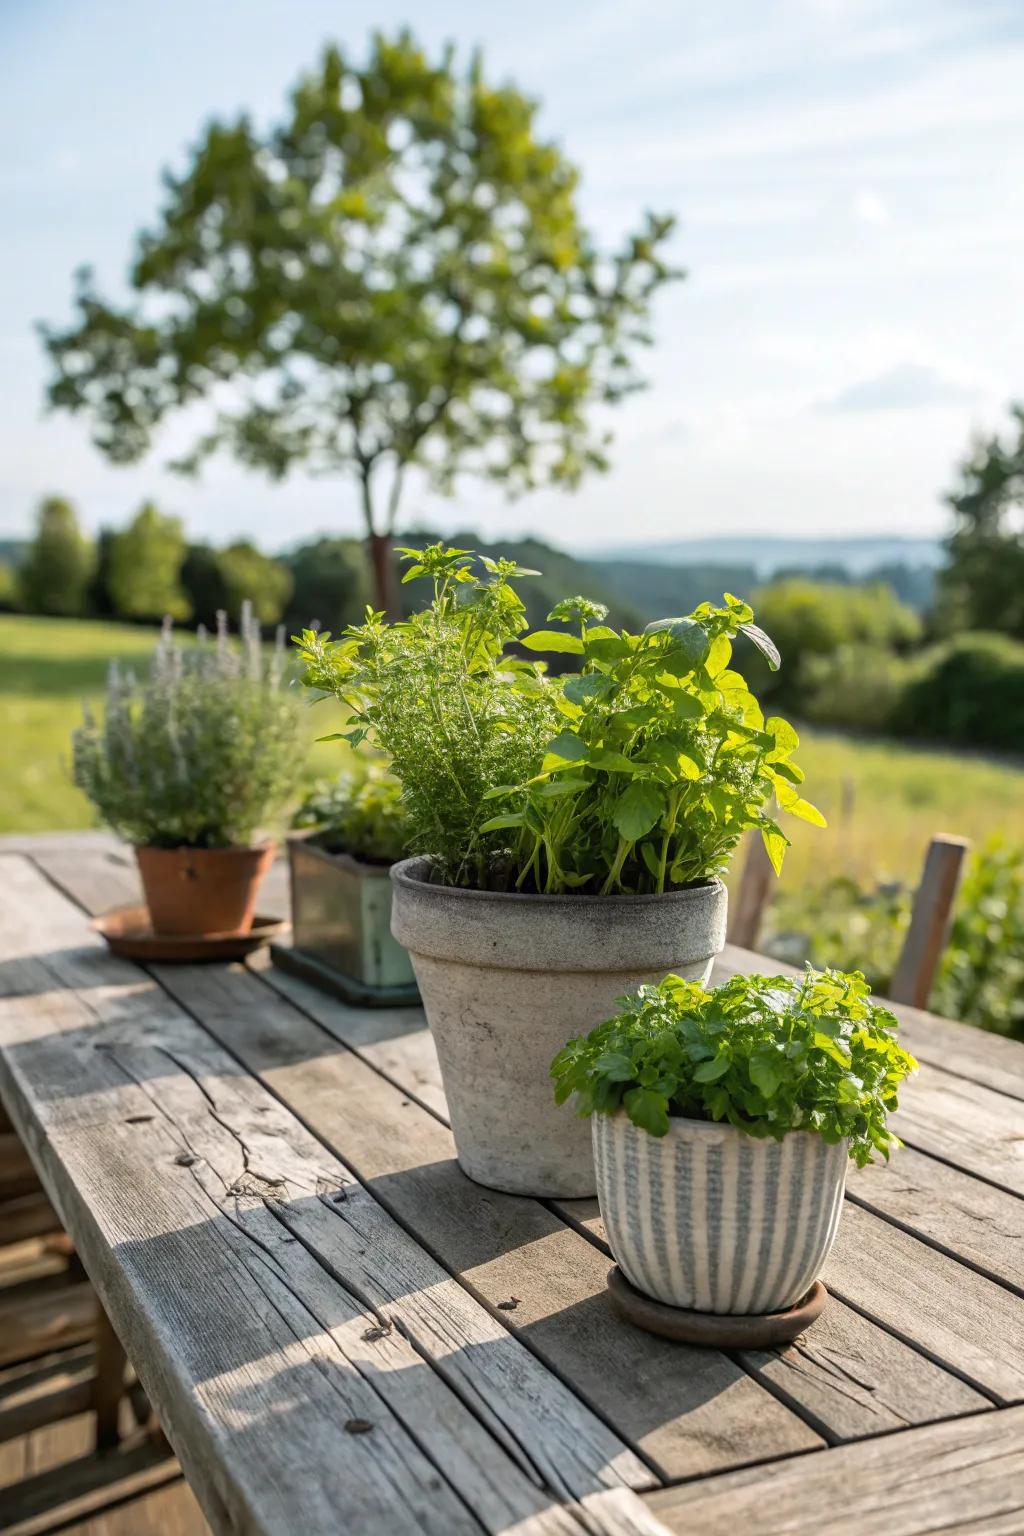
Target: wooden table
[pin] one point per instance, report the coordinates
(340, 1332)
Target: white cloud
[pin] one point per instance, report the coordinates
(906, 386)
(870, 208)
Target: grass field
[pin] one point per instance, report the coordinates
(883, 800)
(47, 668)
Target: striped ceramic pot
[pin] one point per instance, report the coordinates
(710, 1219)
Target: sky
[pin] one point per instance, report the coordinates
(848, 181)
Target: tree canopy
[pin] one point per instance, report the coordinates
(395, 275)
(144, 567)
(58, 567)
(983, 584)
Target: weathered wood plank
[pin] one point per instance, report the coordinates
(688, 1411)
(963, 1477)
(964, 1124)
(52, 1498)
(967, 1322)
(849, 1377)
(970, 1326)
(55, 1387)
(972, 1221)
(929, 921)
(956, 1048)
(170, 1162)
(41, 1315)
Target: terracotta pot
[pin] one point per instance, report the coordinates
(203, 890)
(507, 978)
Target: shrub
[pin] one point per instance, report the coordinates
(859, 687)
(203, 753)
(818, 618)
(644, 768)
(360, 813)
(981, 979)
(841, 923)
(972, 694)
(770, 1054)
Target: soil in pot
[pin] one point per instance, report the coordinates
(203, 890)
(506, 979)
(712, 1220)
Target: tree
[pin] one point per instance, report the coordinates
(810, 619)
(55, 575)
(144, 572)
(250, 575)
(330, 589)
(203, 581)
(394, 277)
(983, 583)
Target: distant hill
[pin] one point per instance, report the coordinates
(858, 555)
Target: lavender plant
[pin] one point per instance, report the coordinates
(205, 752)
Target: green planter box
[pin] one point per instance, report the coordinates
(341, 928)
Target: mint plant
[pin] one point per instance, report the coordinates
(359, 813)
(638, 772)
(769, 1054)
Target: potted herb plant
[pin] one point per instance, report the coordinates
(193, 764)
(724, 1122)
(350, 833)
(570, 830)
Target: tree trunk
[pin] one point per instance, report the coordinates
(382, 565)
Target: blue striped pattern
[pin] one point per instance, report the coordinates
(712, 1220)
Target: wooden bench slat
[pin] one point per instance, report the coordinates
(849, 1378)
(687, 1411)
(177, 1174)
(963, 1476)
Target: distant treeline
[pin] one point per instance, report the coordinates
(868, 654)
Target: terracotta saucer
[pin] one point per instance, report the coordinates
(128, 932)
(712, 1328)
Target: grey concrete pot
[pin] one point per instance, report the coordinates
(710, 1219)
(507, 979)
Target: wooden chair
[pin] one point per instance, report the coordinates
(930, 917)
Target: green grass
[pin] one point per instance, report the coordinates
(47, 668)
(883, 800)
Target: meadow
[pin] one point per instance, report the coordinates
(883, 800)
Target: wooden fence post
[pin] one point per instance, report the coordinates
(929, 921)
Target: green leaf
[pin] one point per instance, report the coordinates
(639, 809)
(590, 685)
(767, 647)
(647, 1109)
(553, 640)
(764, 1068)
(775, 845)
(513, 819)
(711, 1071)
(567, 747)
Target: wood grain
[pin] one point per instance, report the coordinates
(930, 920)
(687, 1412)
(965, 1477)
(180, 1175)
(848, 1377)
